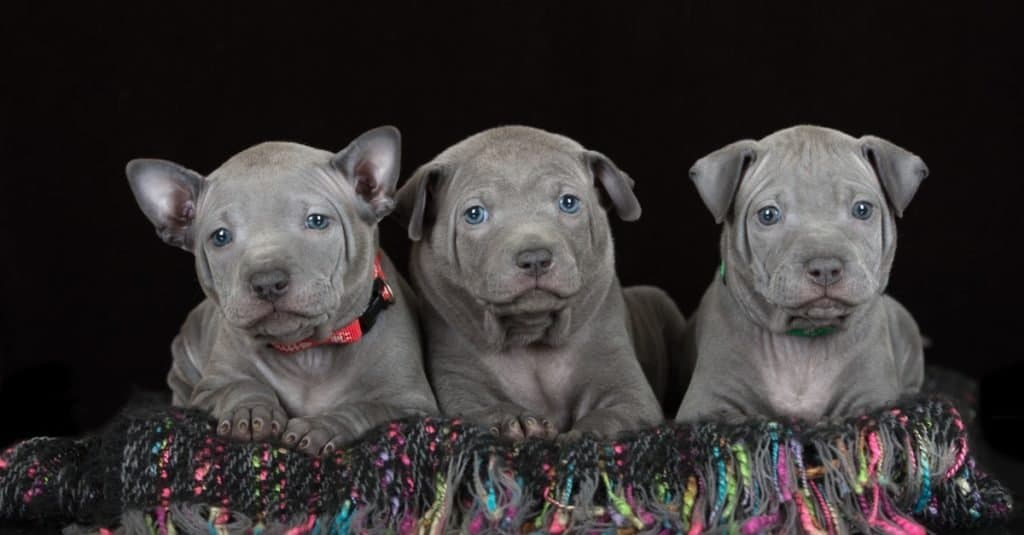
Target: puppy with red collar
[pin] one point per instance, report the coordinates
(308, 332)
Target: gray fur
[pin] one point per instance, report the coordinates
(318, 398)
(528, 354)
(776, 275)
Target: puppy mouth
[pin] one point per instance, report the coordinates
(533, 301)
(286, 326)
(820, 312)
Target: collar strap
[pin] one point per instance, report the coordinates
(381, 297)
(811, 332)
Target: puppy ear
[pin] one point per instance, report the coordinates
(167, 193)
(414, 199)
(899, 171)
(717, 175)
(371, 164)
(616, 184)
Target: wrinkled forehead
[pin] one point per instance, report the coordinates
(809, 172)
(261, 181)
(522, 169)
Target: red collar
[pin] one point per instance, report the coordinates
(381, 297)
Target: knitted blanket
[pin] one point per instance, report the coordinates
(164, 470)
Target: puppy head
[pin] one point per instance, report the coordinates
(512, 221)
(809, 217)
(284, 235)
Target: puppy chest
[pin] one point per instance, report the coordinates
(308, 383)
(543, 382)
(801, 382)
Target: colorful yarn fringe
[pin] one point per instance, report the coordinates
(894, 471)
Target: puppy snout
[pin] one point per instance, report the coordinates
(825, 271)
(534, 261)
(269, 285)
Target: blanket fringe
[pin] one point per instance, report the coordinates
(894, 471)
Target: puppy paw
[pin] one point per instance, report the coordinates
(523, 426)
(569, 436)
(255, 423)
(315, 435)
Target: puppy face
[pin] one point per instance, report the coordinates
(512, 220)
(816, 233)
(284, 235)
(810, 226)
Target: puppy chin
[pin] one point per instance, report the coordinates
(548, 328)
(821, 312)
(283, 327)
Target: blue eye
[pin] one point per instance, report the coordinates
(475, 214)
(317, 221)
(221, 237)
(569, 203)
(863, 210)
(769, 215)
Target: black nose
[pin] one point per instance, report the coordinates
(269, 285)
(825, 271)
(535, 261)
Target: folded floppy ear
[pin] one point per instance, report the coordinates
(899, 170)
(415, 204)
(167, 193)
(718, 175)
(616, 184)
(371, 164)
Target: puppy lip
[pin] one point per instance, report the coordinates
(307, 324)
(278, 312)
(531, 301)
(530, 293)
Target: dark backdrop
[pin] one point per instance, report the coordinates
(91, 298)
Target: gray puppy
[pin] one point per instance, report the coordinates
(526, 324)
(796, 324)
(286, 246)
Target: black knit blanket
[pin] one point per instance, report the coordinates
(164, 470)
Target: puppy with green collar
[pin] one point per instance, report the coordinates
(797, 324)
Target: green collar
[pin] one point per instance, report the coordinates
(809, 332)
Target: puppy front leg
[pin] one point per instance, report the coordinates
(244, 408)
(620, 415)
(618, 398)
(470, 398)
(324, 433)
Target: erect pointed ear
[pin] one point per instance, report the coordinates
(371, 164)
(615, 183)
(899, 170)
(415, 199)
(167, 193)
(718, 175)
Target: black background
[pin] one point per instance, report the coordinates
(91, 298)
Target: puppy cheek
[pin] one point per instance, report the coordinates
(316, 296)
(861, 282)
(203, 271)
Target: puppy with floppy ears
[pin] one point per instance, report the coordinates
(526, 324)
(797, 324)
(308, 332)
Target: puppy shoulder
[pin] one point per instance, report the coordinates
(900, 319)
(907, 344)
